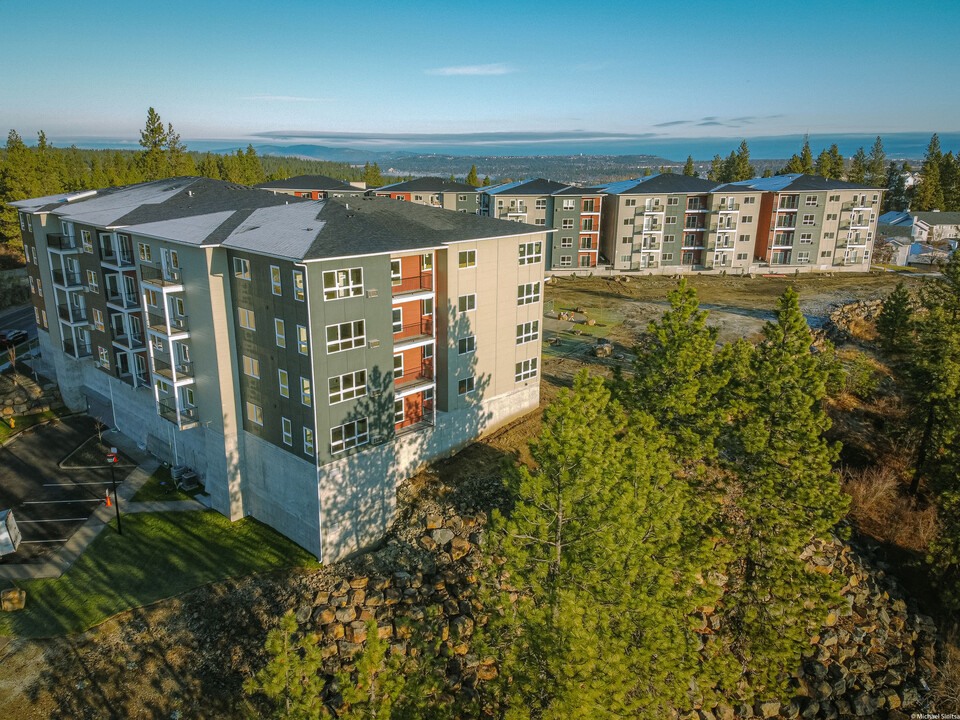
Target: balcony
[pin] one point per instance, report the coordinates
(119, 260)
(59, 242)
(413, 333)
(732, 207)
(183, 417)
(412, 378)
(128, 341)
(178, 373)
(158, 324)
(78, 350)
(650, 210)
(73, 314)
(413, 284)
(165, 278)
(68, 279)
(123, 301)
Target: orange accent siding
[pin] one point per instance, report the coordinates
(412, 276)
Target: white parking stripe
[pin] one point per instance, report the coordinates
(106, 482)
(24, 542)
(30, 522)
(48, 502)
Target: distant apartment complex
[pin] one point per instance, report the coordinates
(435, 192)
(314, 187)
(575, 214)
(303, 356)
(673, 223)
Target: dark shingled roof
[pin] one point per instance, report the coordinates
(309, 182)
(537, 186)
(661, 183)
(938, 218)
(798, 182)
(428, 184)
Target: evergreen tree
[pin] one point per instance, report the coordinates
(767, 173)
(486, 181)
(75, 174)
(50, 167)
(950, 182)
(894, 323)
(647, 172)
(98, 177)
(858, 168)
(153, 139)
(794, 165)
(788, 495)
(252, 169)
(716, 169)
(179, 162)
(472, 178)
(209, 167)
(742, 169)
(929, 192)
(876, 165)
(838, 166)
(823, 166)
(944, 551)
(896, 196)
(372, 176)
(688, 168)
(806, 157)
(18, 181)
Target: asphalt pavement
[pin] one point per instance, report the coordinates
(19, 317)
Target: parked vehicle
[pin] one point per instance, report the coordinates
(9, 338)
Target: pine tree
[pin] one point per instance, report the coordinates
(858, 168)
(896, 196)
(647, 172)
(823, 166)
(728, 168)
(806, 157)
(788, 494)
(794, 165)
(688, 168)
(372, 176)
(472, 178)
(252, 169)
(152, 161)
(49, 167)
(876, 165)
(179, 162)
(716, 169)
(894, 323)
(838, 166)
(929, 192)
(742, 169)
(950, 182)
(209, 167)
(18, 181)
(486, 181)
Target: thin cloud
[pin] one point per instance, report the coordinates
(671, 123)
(283, 98)
(491, 69)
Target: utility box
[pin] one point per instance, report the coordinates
(9, 533)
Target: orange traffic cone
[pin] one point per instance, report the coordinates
(109, 504)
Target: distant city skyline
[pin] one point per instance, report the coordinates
(262, 70)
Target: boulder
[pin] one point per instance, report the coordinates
(355, 632)
(459, 547)
(442, 536)
(434, 522)
(768, 709)
(13, 599)
(863, 704)
(461, 627)
(346, 614)
(303, 613)
(324, 615)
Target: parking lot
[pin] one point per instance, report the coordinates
(49, 503)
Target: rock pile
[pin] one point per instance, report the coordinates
(842, 319)
(28, 398)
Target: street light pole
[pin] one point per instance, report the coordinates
(112, 460)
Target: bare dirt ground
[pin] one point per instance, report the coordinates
(188, 656)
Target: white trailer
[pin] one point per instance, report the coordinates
(9, 533)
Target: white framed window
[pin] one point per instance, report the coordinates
(398, 366)
(302, 345)
(810, 200)
(528, 293)
(566, 260)
(44, 314)
(667, 257)
(283, 379)
(299, 286)
(241, 268)
(467, 345)
(36, 315)
(462, 198)
(247, 319)
(567, 242)
(540, 221)
(828, 236)
(630, 202)
(153, 299)
(831, 217)
(398, 412)
(345, 336)
(466, 303)
(585, 242)
(308, 441)
(741, 256)
(744, 238)
(669, 238)
(806, 238)
(278, 331)
(254, 414)
(86, 241)
(826, 253)
(251, 367)
(162, 385)
(808, 219)
(540, 204)
(525, 370)
(305, 395)
(465, 386)
(345, 283)
(426, 262)
(569, 204)
(671, 220)
(347, 387)
(749, 200)
(98, 319)
(275, 286)
(348, 435)
(397, 320)
(287, 430)
(23, 221)
(673, 201)
(803, 256)
(629, 221)
(144, 251)
(93, 282)
(396, 275)
(40, 288)
(33, 288)
(746, 219)
(467, 259)
(528, 332)
(567, 223)
(531, 253)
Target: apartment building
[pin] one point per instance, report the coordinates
(435, 192)
(303, 356)
(666, 223)
(314, 187)
(573, 212)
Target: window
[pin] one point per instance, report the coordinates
(395, 277)
(541, 204)
(345, 336)
(283, 378)
(588, 205)
(426, 262)
(418, 197)
(93, 283)
(586, 223)
(349, 435)
(398, 413)
(810, 200)
(626, 239)
(467, 345)
(98, 319)
(667, 256)
(254, 413)
(86, 240)
(566, 260)
(23, 221)
(251, 366)
(741, 256)
(540, 221)
(629, 202)
(828, 236)
(803, 256)
(308, 441)
(144, 252)
(749, 200)
(298, 285)
(567, 242)
(344, 283)
(808, 219)
(36, 315)
(275, 287)
(628, 221)
(40, 288)
(467, 258)
(397, 320)
(465, 386)
(462, 198)
(806, 238)
(746, 219)
(585, 242)
(826, 253)
(526, 370)
(669, 238)
(279, 332)
(346, 387)
(831, 217)
(302, 346)
(531, 253)
(466, 303)
(528, 332)
(104, 357)
(569, 204)
(528, 293)
(671, 220)
(398, 366)
(744, 238)
(305, 396)
(44, 314)
(33, 288)
(566, 223)
(673, 201)
(247, 320)
(152, 297)
(241, 268)
(287, 431)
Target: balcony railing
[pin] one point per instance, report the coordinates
(168, 410)
(78, 350)
(161, 278)
(130, 341)
(414, 376)
(420, 328)
(123, 300)
(62, 243)
(158, 323)
(414, 283)
(72, 313)
(67, 279)
(162, 368)
(728, 207)
(124, 258)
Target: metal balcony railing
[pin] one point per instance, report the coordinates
(61, 242)
(78, 350)
(167, 407)
(420, 328)
(67, 279)
(163, 368)
(158, 323)
(414, 283)
(72, 313)
(161, 277)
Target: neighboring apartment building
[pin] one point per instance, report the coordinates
(669, 223)
(435, 192)
(574, 212)
(303, 356)
(929, 226)
(314, 187)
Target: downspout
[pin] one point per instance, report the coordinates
(315, 403)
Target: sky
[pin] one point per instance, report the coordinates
(299, 68)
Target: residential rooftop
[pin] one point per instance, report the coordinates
(537, 186)
(428, 185)
(660, 183)
(309, 182)
(798, 182)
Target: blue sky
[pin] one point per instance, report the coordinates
(699, 68)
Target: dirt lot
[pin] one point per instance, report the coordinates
(188, 656)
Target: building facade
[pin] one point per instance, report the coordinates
(573, 212)
(434, 192)
(303, 356)
(314, 187)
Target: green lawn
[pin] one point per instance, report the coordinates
(160, 486)
(22, 422)
(158, 555)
